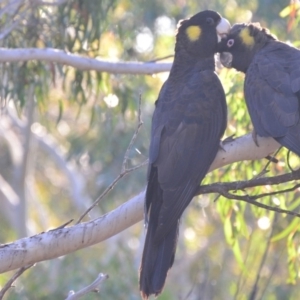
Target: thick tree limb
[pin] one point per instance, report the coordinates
(55, 243)
(80, 62)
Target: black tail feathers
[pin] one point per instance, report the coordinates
(158, 258)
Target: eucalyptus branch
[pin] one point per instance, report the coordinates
(52, 244)
(48, 3)
(265, 168)
(21, 171)
(224, 188)
(10, 282)
(251, 200)
(241, 185)
(17, 11)
(94, 286)
(12, 8)
(81, 62)
(13, 25)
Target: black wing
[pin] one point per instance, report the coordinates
(187, 126)
(272, 91)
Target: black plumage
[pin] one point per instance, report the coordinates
(188, 122)
(272, 82)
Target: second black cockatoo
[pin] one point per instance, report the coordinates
(272, 82)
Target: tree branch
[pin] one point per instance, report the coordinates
(251, 199)
(49, 3)
(55, 243)
(241, 185)
(16, 11)
(20, 174)
(94, 286)
(9, 283)
(81, 62)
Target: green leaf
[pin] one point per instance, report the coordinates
(238, 255)
(228, 230)
(287, 10)
(292, 227)
(60, 111)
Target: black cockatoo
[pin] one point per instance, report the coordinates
(272, 81)
(188, 122)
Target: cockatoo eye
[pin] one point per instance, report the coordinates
(230, 43)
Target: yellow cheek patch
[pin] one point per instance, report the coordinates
(193, 33)
(246, 38)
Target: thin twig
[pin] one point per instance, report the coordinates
(265, 170)
(241, 185)
(263, 260)
(251, 200)
(109, 188)
(288, 162)
(9, 283)
(272, 273)
(140, 123)
(13, 25)
(241, 282)
(160, 58)
(63, 225)
(224, 188)
(90, 288)
(8, 8)
(124, 170)
(254, 198)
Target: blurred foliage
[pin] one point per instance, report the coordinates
(225, 246)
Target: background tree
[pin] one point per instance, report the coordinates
(64, 132)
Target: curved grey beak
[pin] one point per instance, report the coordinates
(223, 28)
(226, 59)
